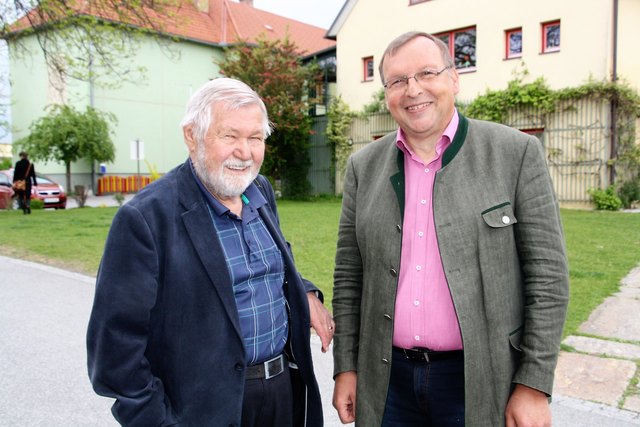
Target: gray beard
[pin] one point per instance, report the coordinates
(217, 182)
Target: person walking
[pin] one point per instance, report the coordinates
(24, 173)
(451, 281)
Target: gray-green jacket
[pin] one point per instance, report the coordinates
(508, 277)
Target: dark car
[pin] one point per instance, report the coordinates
(6, 192)
(51, 193)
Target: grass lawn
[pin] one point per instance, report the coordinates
(602, 246)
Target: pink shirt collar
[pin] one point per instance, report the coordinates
(444, 141)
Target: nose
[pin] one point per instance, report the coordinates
(413, 86)
(242, 149)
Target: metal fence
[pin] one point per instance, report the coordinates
(576, 139)
(320, 176)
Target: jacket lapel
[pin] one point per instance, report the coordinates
(199, 226)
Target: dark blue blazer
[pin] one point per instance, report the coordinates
(164, 335)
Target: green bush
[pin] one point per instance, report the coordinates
(5, 164)
(119, 197)
(629, 192)
(606, 200)
(37, 204)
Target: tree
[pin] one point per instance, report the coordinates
(340, 118)
(88, 39)
(274, 70)
(66, 135)
(378, 103)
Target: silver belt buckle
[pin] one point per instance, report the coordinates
(274, 367)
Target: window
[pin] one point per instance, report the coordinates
(462, 46)
(513, 43)
(367, 65)
(551, 36)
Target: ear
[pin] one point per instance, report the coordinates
(189, 140)
(455, 81)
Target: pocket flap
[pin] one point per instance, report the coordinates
(499, 216)
(515, 338)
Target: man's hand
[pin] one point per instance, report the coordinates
(344, 396)
(321, 320)
(527, 407)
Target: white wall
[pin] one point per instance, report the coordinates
(586, 40)
(149, 109)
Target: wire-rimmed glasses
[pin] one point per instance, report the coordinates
(401, 83)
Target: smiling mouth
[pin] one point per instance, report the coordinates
(238, 167)
(419, 107)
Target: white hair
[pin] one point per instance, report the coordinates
(233, 93)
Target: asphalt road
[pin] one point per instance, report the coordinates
(43, 382)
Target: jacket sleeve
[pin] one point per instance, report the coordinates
(32, 174)
(119, 325)
(347, 290)
(543, 261)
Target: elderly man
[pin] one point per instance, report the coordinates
(200, 316)
(451, 281)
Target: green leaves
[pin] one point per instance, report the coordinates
(65, 135)
(337, 132)
(495, 104)
(274, 70)
(95, 40)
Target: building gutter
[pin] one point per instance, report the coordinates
(613, 155)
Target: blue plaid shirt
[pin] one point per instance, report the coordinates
(256, 267)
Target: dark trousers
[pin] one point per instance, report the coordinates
(268, 403)
(24, 198)
(425, 394)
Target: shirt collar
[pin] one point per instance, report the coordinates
(253, 196)
(444, 141)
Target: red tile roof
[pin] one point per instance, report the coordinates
(224, 22)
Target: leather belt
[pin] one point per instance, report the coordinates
(426, 355)
(265, 370)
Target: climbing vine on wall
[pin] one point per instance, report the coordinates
(338, 134)
(495, 105)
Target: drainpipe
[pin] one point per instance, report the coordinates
(614, 100)
(92, 104)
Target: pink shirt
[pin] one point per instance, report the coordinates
(424, 315)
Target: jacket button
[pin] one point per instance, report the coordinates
(238, 367)
(393, 272)
(385, 361)
(399, 228)
(387, 316)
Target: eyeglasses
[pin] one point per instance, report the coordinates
(402, 83)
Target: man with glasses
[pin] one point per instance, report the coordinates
(451, 280)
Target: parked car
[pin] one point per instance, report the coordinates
(51, 193)
(6, 192)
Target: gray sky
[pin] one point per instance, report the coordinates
(320, 13)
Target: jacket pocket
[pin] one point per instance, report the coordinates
(499, 216)
(515, 338)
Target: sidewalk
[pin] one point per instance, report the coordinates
(605, 362)
(44, 313)
(99, 201)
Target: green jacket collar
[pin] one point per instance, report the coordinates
(397, 180)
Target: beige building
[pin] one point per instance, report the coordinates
(564, 41)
